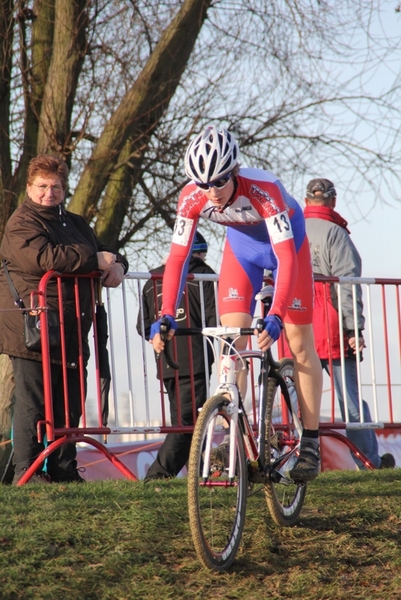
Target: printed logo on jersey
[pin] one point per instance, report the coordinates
(269, 204)
(297, 305)
(190, 202)
(243, 208)
(232, 295)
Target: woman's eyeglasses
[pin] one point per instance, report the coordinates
(218, 183)
(56, 189)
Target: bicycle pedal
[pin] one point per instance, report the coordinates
(275, 476)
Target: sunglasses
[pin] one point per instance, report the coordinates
(218, 183)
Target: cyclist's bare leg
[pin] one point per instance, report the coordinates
(239, 320)
(308, 381)
(308, 372)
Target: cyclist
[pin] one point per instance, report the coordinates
(265, 230)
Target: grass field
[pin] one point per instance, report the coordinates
(119, 540)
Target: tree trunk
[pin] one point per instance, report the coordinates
(35, 64)
(133, 123)
(6, 410)
(69, 47)
(6, 43)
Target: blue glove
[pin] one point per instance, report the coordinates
(273, 326)
(167, 320)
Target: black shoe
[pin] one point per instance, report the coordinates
(307, 466)
(74, 477)
(39, 477)
(387, 461)
(156, 477)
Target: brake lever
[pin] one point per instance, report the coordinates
(260, 325)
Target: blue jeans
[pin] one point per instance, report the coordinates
(364, 439)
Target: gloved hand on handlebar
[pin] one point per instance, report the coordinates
(156, 327)
(273, 326)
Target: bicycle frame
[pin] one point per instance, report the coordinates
(227, 386)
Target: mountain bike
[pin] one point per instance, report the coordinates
(229, 455)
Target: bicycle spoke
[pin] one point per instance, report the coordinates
(284, 497)
(216, 502)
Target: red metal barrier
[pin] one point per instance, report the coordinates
(56, 437)
(388, 324)
(332, 426)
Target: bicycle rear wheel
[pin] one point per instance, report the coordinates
(216, 503)
(284, 497)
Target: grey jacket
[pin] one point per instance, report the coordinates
(334, 254)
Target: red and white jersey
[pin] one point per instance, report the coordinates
(259, 196)
(260, 206)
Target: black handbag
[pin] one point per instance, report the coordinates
(32, 333)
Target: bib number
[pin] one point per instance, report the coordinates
(279, 227)
(182, 231)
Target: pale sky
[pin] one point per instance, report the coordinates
(378, 239)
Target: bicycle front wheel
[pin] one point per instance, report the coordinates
(216, 502)
(284, 497)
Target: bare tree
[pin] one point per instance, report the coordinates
(102, 84)
(275, 74)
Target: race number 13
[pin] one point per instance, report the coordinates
(182, 230)
(279, 227)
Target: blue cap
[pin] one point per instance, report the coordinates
(200, 244)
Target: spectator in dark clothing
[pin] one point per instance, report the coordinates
(41, 236)
(174, 451)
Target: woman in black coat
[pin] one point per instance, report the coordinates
(41, 236)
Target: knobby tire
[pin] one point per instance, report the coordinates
(217, 509)
(284, 499)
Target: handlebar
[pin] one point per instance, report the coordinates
(218, 332)
(168, 355)
(233, 331)
(265, 296)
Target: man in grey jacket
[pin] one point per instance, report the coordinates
(334, 254)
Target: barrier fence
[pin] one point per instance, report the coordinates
(378, 372)
(137, 405)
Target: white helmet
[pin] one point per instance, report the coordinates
(212, 154)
